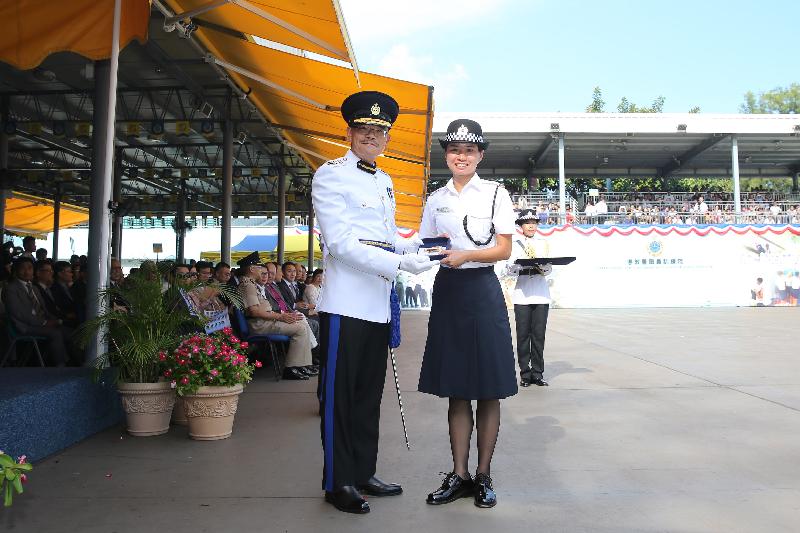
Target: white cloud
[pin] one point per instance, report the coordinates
(401, 63)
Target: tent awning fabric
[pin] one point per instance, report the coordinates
(295, 247)
(32, 215)
(312, 25)
(34, 29)
(312, 123)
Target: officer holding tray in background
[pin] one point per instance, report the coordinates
(531, 299)
(355, 208)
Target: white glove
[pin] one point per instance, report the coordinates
(408, 246)
(546, 269)
(416, 263)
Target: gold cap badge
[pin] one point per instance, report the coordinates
(376, 109)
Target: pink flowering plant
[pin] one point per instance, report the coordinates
(201, 359)
(12, 476)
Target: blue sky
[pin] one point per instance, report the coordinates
(517, 55)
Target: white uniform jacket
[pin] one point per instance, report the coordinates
(529, 289)
(446, 208)
(352, 206)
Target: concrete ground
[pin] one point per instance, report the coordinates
(656, 420)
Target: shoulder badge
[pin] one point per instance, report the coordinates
(337, 162)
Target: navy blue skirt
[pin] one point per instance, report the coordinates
(469, 353)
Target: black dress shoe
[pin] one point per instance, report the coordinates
(484, 492)
(453, 487)
(524, 383)
(348, 500)
(375, 487)
(310, 370)
(293, 372)
(539, 382)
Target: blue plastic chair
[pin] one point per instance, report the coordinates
(274, 341)
(14, 337)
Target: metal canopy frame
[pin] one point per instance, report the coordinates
(612, 145)
(164, 86)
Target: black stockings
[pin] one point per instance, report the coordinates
(460, 421)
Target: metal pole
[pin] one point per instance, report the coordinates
(795, 180)
(737, 197)
(609, 185)
(281, 209)
(227, 182)
(310, 235)
(4, 185)
(116, 227)
(56, 220)
(180, 224)
(102, 165)
(562, 182)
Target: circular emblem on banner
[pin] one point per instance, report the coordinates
(376, 109)
(655, 248)
(463, 130)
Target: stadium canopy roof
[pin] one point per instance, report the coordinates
(625, 144)
(31, 215)
(282, 67)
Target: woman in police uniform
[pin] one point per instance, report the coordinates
(468, 353)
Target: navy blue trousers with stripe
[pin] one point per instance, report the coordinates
(353, 354)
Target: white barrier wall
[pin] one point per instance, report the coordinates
(674, 266)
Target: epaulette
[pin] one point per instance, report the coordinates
(337, 162)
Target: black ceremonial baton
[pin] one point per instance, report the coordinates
(399, 397)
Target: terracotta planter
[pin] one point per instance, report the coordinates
(148, 407)
(179, 413)
(211, 410)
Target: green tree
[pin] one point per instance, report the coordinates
(625, 106)
(778, 100)
(598, 104)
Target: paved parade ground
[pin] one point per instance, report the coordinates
(655, 420)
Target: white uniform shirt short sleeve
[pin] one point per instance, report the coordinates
(504, 216)
(446, 208)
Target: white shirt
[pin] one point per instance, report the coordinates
(353, 205)
(529, 289)
(445, 210)
(601, 208)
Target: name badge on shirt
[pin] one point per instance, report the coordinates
(444, 209)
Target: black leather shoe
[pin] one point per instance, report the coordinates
(375, 487)
(484, 492)
(293, 372)
(310, 370)
(348, 500)
(539, 382)
(453, 487)
(524, 383)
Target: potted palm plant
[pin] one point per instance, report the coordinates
(138, 322)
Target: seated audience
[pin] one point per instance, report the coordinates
(268, 316)
(30, 316)
(311, 294)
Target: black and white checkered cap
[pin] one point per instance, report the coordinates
(464, 131)
(463, 138)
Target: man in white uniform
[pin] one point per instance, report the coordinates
(355, 208)
(531, 299)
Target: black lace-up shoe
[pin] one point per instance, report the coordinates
(375, 487)
(453, 487)
(484, 492)
(348, 500)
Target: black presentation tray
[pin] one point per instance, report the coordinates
(545, 261)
